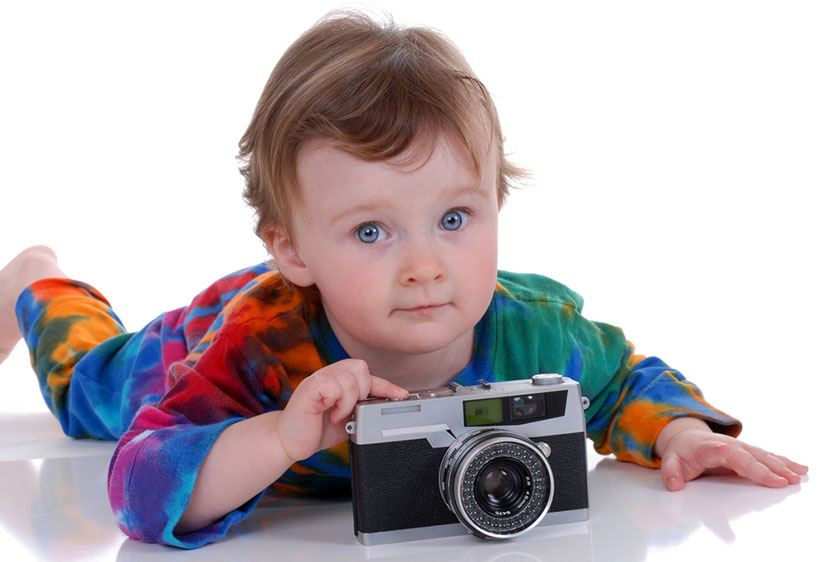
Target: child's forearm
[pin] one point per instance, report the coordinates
(245, 459)
(251, 454)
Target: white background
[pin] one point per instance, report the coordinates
(679, 149)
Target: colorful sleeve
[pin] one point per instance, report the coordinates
(156, 462)
(152, 475)
(633, 397)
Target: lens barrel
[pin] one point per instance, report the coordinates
(497, 483)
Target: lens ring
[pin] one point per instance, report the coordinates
(462, 466)
(510, 522)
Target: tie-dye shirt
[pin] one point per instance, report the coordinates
(243, 344)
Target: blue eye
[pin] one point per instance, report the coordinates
(454, 219)
(370, 233)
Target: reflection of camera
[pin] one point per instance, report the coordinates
(494, 460)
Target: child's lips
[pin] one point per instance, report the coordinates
(422, 309)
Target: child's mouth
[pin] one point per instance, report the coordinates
(422, 309)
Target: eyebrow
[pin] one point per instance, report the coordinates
(462, 191)
(348, 211)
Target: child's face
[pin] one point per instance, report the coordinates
(404, 254)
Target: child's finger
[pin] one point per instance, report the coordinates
(671, 472)
(382, 388)
(711, 454)
(798, 468)
(359, 371)
(776, 464)
(370, 385)
(793, 466)
(350, 393)
(745, 464)
(322, 391)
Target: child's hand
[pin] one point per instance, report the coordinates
(688, 448)
(316, 415)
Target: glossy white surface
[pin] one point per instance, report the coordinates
(53, 506)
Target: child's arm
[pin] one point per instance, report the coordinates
(640, 408)
(251, 454)
(688, 448)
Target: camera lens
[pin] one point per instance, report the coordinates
(502, 487)
(497, 483)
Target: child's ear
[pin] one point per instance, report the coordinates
(289, 262)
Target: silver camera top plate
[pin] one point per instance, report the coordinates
(438, 414)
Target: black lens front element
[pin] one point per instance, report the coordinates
(502, 487)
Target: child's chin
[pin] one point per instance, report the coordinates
(416, 342)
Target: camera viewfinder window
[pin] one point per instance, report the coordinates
(483, 412)
(530, 407)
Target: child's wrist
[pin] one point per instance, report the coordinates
(276, 445)
(674, 428)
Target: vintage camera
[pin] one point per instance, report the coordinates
(494, 460)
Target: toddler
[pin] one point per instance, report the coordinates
(374, 161)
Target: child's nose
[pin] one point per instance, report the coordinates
(422, 264)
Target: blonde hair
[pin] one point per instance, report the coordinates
(371, 87)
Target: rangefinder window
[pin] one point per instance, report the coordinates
(514, 410)
(527, 407)
(483, 412)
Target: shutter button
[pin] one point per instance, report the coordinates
(546, 379)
